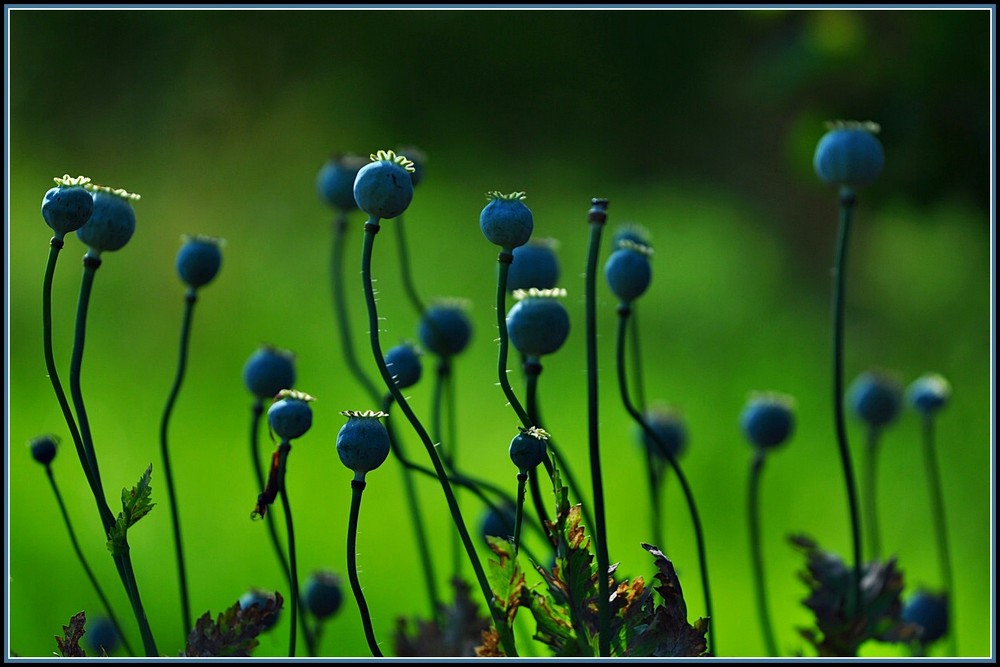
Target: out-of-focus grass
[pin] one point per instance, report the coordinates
(739, 302)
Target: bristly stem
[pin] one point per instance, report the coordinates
(447, 452)
(940, 529)
(83, 561)
(190, 298)
(123, 561)
(596, 218)
(504, 260)
(416, 516)
(357, 488)
(623, 318)
(505, 634)
(757, 555)
(519, 510)
(847, 200)
(283, 449)
(871, 496)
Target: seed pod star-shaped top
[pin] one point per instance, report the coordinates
(506, 221)
(384, 188)
(849, 155)
(112, 221)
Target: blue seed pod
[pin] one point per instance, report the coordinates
(268, 371)
(929, 393)
(671, 433)
(535, 265)
(383, 187)
(538, 324)
(767, 420)
(68, 206)
(628, 271)
(930, 612)
(506, 221)
(290, 416)
(876, 398)
(102, 636)
(633, 233)
(323, 594)
(403, 362)
(528, 448)
(849, 155)
(260, 598)
(445, 329)
(419, 160)
(43, 448)
(498, 523)
(363, 442)
(199, 260)
(335, 181)
(111, 223)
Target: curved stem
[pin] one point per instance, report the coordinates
(531, 399)
(847, 200)
(504, 632)
(637, 368)
(416, 516)
(940, 529)
(623, 317)
(357, 488)
(869, 485)
(655, 479)
(124, 564)
(404, 269)
(503, 267)
(519, 510)
(447, 452)
(283, 449)
(83, 561)
(596, 219)
(257, 410)
(189, 301)
(756, 553)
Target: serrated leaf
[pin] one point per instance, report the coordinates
(136, 503)
(234, 633)
(69, 643)
(505, 577)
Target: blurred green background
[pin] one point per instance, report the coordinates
(699, 125)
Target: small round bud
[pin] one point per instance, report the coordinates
(876, 398)
(383, 188)
(633, 233)
(198, 260)
(535, 265)
(290, 416)
(538, 324)
(930, 612)
(445, 329)
(628, 271)
(335, 181)
(767, 420)
(268, 371)
(929, 393)
(323, 595)
(363, 442)
(259, 597)
(403, 362)
(498, 523)
(849, 155)
(528, 448)
(43, 448)
(102, 636)
(111, 224)
(671, 434)
(66, 208)
(506, 221)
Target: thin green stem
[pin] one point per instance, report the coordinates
(504, 260)
(519, 510)
(416, 515)
(637, 369)
(757, 555)
(623, 318)
(505, 634)
(257, 410)
(83, 561)
(940, 528)
(357, 488)
(596, 219)
(404, 269)
(283, 449)
(189, 300)
(122, 559)
(531, 400)
(869, 487)
(447, 453)
(655, 479)
(847, 200)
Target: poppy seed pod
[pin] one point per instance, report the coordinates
(268, 371)
(930, 612)
(445, 329)
(767, 420)
(535, 265)
(111, 223)
(528, 449)
(335, 181)
(290, 416)
(43, 448)
(67, 207)
(383, 188)
(671, 434)
(403, 362)
(538, 324)
(199, 260)
(849, 155)
(929, 393)
(323, 594)
(876, 398)
(628, 271)
(363, 442)
(506, 221)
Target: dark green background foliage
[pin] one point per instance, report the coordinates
(698, 125)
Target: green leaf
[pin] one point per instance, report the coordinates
(69, 643)
(505, 577)
(234, 633)
(135, 505)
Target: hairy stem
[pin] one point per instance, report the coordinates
(357, 488)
